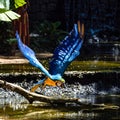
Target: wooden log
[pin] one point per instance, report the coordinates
(30, 96)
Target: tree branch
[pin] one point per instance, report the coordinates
(30, 96)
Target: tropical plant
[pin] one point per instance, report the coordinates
(5, 13)
(49, 33)
(6, 9)
(7, 40)
(5, 34)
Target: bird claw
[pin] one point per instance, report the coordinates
(34, 88)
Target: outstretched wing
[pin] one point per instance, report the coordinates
(67, 51)
(30, 55)
(64, 54)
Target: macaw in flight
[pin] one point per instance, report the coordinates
(63, 55)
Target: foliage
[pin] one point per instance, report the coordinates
(7, 42)
(5, 13)
(49, 33)
(19, 3)
(6, 33)
(12, 41)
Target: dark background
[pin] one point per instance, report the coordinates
(96, 14)
(100, 17)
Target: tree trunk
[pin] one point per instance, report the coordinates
(22, 24)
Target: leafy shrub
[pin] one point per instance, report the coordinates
(49, 33)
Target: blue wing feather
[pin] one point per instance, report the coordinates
(30, 55)
(66, 52)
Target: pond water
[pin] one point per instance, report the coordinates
(95, 82)
(15, 107)
(40, 111)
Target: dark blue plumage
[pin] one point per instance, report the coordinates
(66, 52)
(63, 55)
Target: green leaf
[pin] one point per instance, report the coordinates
(12, 15)
(9, 16)
(3, 17)
(5, 14)
(2, 6)
(2, 10)
(5, 4)
(19, 3)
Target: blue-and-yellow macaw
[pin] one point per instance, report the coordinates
(63, 55)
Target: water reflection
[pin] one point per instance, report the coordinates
(55, 115)
(14, 106)
(116, 52)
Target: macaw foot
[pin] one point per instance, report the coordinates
(34, 88)
(48, 82)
